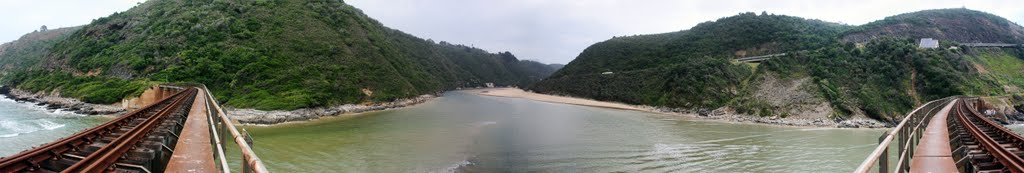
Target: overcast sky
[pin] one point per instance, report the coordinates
(550, 31)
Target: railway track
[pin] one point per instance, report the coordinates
(138, 141)
(989, 146)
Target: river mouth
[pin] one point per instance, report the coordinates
(464, 132)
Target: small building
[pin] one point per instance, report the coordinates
(489, 85)
(928, 43)
(607, 72)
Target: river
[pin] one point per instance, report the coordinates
(25, 125)
(464, 132)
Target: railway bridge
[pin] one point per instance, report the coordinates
(947, 135)
(183, 130)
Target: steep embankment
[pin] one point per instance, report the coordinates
(263, 55)
(824, 75)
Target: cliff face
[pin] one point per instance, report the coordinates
(261, 54)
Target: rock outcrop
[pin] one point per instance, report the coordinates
(252, 116)
(55, 101)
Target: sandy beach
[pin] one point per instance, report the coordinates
(796, 122)
(518, 93)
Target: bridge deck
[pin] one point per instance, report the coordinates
(192, 153)
(933, 154)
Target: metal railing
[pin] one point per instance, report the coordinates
(908, 133)
(219, 122)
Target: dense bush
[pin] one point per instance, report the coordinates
(278, 54)
(92, 89)
(881, 78)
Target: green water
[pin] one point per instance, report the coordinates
(462, 132)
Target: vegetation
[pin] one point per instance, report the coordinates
(92, 89)
(959, 25)
(273, 54)
(30, 49)
(880, 77)
(746, 34)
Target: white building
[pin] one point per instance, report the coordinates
(928, 43)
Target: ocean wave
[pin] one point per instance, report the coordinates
(4, 98)
(62, 112)
(48, 125)
(15, 128)
(455, 167)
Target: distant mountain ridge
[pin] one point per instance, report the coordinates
(258, 54)
(831, 71)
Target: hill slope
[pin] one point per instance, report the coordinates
(822, 76)
(267, 55)
(688, 68)
(959, 25)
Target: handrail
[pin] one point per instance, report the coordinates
(880, 154)
(217, 143)
(248, 155)
(905, 149)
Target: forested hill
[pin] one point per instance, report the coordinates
(822, 76)
(256, 54)
(745, 34)
(960, 25)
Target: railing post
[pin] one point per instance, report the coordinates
(902, 145)
(248, 140)
(883, 160)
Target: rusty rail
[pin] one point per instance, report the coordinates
(250, 162)
(30, 160)
(104, 158)
(973, 122)
(908, 133)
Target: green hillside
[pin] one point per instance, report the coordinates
(265, 55)
(959, 25)
(880, 77)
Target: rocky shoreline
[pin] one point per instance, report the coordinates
(723, 114)
(54, 101)
(260, 117)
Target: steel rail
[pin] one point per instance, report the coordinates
(1003, 130)
(30, 159)
(104, 158)
(1008, 159)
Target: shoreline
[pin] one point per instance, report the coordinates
(717, 115)
(253, 117)
(53, 101)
